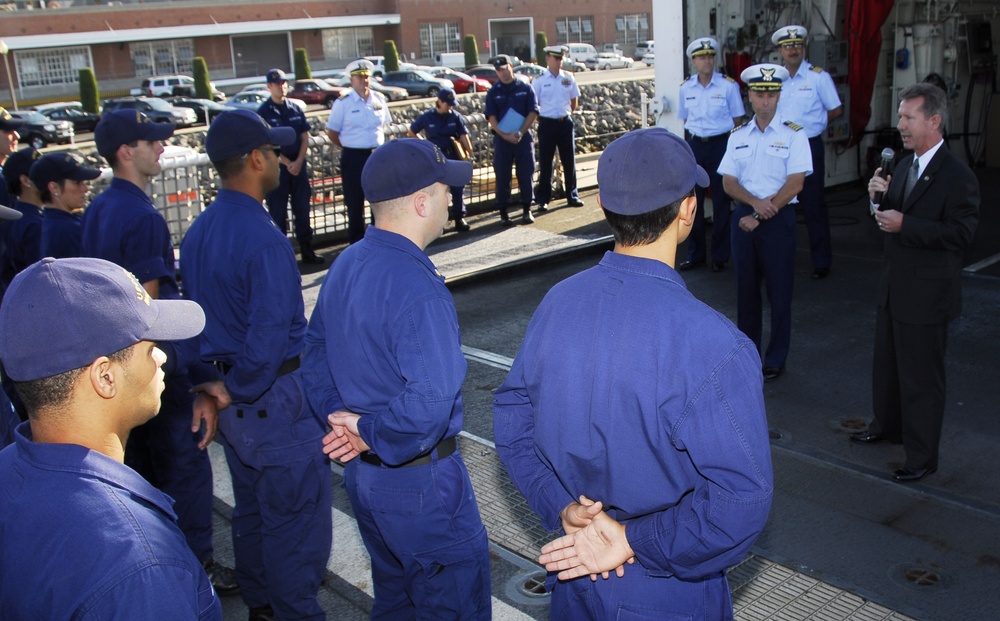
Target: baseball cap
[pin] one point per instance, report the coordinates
(447, 95)
(238, 132)
(789, 34)
(702, 46)
(501, 61)
(62, 314)
(124, 126)
(401, 167)
(764, 77)
(59, 166)
(625, 185)
(8, 122)
(19, 163)
(275, 76)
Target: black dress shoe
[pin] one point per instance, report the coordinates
(311, 258)
(820, 273)
(543, 207)
(222, 578)
(574, 202)
(909, 475)
(505, 219)
(718, 266)
(689, 265)
(527, 218)
(262, 613)
(461, 225)
(867, 437)
(772, 373)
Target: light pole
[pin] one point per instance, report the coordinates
(10, 82)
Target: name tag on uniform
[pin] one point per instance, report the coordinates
(778, 149)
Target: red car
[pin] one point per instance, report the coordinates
(318, 92)
(484, 72)
(464, 83)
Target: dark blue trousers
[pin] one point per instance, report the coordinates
(556, 134)
(521, 155)
(298, 189)
(709, 156)
(813, 204)
(767, 255)
(352, 162)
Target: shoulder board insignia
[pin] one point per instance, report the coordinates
(345, 94)
(794, 126)
(817, 69)
(738, 128)
(731, 79)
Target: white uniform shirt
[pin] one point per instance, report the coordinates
(807, 97)
(709, 110)
(360, 122)
(554, 94)
(762, 161)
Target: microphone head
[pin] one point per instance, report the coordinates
(888, 154)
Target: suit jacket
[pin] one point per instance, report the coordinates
(921, 269)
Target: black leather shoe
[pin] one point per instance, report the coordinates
(461, 225)
(505, 219)
(311, 258)
(527, 218)
(222, 578)
(689, 265)
(867, 437)
(718, 266)
(262, 613)
(909, 475)
(772, 373)
(574, 202)
(820, 273)
(543, 207)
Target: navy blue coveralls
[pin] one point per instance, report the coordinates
(61, 232)
(241, 269)
(501, 97)
(22, 242)
(440, 129)
(122, 225)
(294, 187)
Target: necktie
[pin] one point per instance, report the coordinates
(911, 179)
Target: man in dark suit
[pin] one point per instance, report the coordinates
(928, 214)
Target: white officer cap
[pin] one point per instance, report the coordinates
(789, 34)
(556, 51)
(703, 46)
(764, 77)
(360, 67)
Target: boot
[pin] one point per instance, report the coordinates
(309, 256)
(461, 225)
(505, 218)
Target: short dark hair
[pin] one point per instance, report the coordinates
(644, 228)
(112, 158)
(230, 167)
(14, 185)
(54, 391)
(935, 100)
(45, 194)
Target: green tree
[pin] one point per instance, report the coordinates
(89, 96)
(202, 83)
(471, 51)
(302, 69)
(391, 55)
(541, 42)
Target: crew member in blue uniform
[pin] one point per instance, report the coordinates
(122, 225)
(294, 185)
(558, 96)
(9, 417)
(634, 413)
(765, 164)
(710, 106)
(240, 267)
(357, 125)
(384, 367)
(83, 535)
(444, 126)
(8, 145)
(61, 179)
(809, 98)
(512, 141)
(22, 240)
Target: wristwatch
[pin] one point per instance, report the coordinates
(520, 134)
(756, 216)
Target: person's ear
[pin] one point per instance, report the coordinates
(686, 213)
(103, 376)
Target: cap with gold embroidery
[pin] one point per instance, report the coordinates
(556, 51)
(360, 67)
(703, 46)
(58, 167)
(764, 77)
(8, 122)
(789, 34)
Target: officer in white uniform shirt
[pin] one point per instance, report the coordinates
(357, 124)
(558, 95)
(710, 106)
(810, 99)
(765, 165)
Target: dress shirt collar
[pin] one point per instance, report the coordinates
(642, 266)
(928, 155)
(395, 240)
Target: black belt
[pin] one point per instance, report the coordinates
(559, 120)
(286, 367)
(709, 138)
(358, 150)
(444, 448)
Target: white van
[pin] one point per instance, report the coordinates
(580, 52)
(642, 48)
(452, 60)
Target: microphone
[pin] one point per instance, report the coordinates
(885, 164)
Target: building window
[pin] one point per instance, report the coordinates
(48, 67)
(151, 58)
(439, 38)
(578, 29)
(631, 28)
(342, 45)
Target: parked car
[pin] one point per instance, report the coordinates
(579, 52)
(255, 88)
(416, 82)
(379, 62)
(314, 91)
(156, 109)
(201, 107)
(529, 71)
(648, 59)
(39, 130)
(609, 60)
(573, 65)
(169, 85)
(643, 48)
(73, 112)
(391, 93)
(483, 72)
(464, 83)
(613, 48)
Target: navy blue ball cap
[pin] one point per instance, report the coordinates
(125, 126)
(62, 314)
(501, 61)
(60, 166)
(447, 95)
(237, 132)
(19, 163)
(9, 122)
(645, 170)
(276, 76)
(401, 167)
